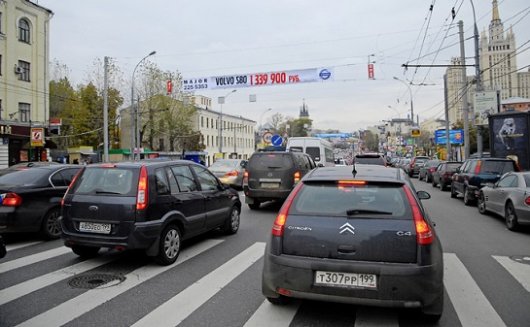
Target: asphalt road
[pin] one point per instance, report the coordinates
(217, 280)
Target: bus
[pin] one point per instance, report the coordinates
(319, 149)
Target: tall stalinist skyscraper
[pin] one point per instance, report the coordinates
(498, 61)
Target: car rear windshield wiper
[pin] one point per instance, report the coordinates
(353, 212)
(99, 191)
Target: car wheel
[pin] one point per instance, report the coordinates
(427, 179)
(281, 300)
(231, 225)
(511, 217)
(433, 313)
(51, 228)
(481, 203)
(441, 186)
(85, 251)
(453, 192)
(255, 205)
(169, 247)
(434, 183)
(467, 198)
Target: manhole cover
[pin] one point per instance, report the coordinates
(90, 281)
(521, 259)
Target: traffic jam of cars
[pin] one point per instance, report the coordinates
(155, 205)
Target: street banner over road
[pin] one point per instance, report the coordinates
(282, 77)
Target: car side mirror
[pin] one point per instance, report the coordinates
(244, 164)
(320, 164)
(423, 195)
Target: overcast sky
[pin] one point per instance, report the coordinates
(212, 38)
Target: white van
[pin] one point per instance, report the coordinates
(319, 149)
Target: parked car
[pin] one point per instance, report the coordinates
(475, 173)
(443, 174)
(331, 241)
(147, 205)
(230, 171)
(272, 175)
(509, 197)
(415, 165)
(26, 165)
(31, 199)
(370, 159)
(427, 169)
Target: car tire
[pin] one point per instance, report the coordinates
(433, 313)
(231, 225)
(510, 217)
(280, 300)
(434, 184)
(419, 177)
(481, 204)
(85, 251)
(453, 192)
(51, 229)
(467, 198)
(441, 186)
(427, 179)
(169, 246)
(255, 205)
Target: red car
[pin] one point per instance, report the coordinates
(441, 177)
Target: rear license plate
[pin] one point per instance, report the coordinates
(270, 185)
(327, 278)
(94, 228)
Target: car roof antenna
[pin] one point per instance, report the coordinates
(354, 171)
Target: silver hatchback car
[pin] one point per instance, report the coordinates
(357, 236)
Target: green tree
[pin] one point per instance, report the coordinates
(299, 127)
(371, 141)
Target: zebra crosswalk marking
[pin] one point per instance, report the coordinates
(520, 271)
(21, 245)
(471, 306)
(31, 259)
(18, 290)
(89, 300)
(197, 294)
(273, 315)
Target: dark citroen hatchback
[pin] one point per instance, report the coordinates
(148, 205)
(360, 237)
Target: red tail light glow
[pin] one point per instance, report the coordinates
(527, 201)
(245, 177)
(350, 183)
(281, 219)
(142, 197)
(232, 173)
(297, 177)
(11, 200)
(424, 234)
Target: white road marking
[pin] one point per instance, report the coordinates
(19, 290)
(471, 305)
(12, 247)
(31, 259)
(520, 271)
(376, 317)
(89, 300)
(273, 315)
(197, 294)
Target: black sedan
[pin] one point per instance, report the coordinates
(31, 199)
(331, 241)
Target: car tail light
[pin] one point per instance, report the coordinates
(232, 173)
(245, 178)
(432, 169)
(297, 176)
(424, 234)
(11, 200)
(281, 218)
(477, 167)
(350, 183)
(142, 197)
(527, 201)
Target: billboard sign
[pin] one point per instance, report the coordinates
(485, 105)
(456, 136)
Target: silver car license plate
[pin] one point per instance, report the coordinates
(328, 278)
(94, 227)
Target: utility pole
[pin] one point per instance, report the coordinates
(478, 78)
(464, 89)
(106, 110)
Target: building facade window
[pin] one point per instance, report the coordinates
(24, 110)
(23, 30)
(25, 70)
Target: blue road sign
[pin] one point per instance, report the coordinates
(276, 140)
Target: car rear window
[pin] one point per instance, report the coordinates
(370, 160)
(496, 167)
(271, 160)
(27, 177)
(527, 180)
(112, 181)
(225, 164)
(453, 166)
(371, 200)
(314, 152)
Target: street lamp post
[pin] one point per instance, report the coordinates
(134, 114)
(261, 117)
(411, 101)
(221, 101)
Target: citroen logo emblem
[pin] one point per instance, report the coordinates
(347, 228)
(93, 208)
